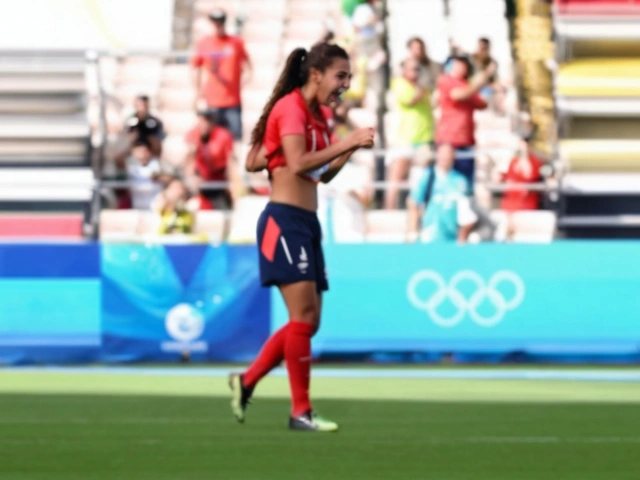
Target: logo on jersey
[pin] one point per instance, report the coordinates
(304, 261)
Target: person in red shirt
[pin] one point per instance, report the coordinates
(210, 149)
(458, 99)
(523, 168)
(220, 59)
(294, 142)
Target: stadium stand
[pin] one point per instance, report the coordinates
(270, 30)
(598, 99)
(45, 176)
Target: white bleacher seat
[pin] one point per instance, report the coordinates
(425, 19)
(139, 71)
(264, 53)
(173, 98)
(601, 183)
(307, 29)
(242, 228)
(347, 215)
(391, 125)
(386, 226)
(255, 100)
(177, 123)
(174, 150)
(257, 31)
(212, 223)
(46, 184)
(362, 117)
(118, 224)
(310, 8)
(34, 104)
(176, 76)
(528, 226)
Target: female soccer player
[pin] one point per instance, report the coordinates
(293, 141)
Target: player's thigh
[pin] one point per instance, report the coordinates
(320, 268)
(302, 302)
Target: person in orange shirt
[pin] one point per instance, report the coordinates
(218, 63)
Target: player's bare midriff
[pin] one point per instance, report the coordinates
(292, 189)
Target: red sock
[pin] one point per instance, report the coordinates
(297, 353)
(270, 356)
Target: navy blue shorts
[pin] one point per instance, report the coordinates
(290, 245)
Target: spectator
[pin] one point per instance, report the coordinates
(370, 57)
(210, 149)
(175, 210)
(482, 60)
(145, 127)
(523, 168)
(144, 171)
(222, 57)
(415, 129)
(429, 70)
(439, 206)
(349, 7)
(365, 22)
(458, 99)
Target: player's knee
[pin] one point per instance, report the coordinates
(310, 314)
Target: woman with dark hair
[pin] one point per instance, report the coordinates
(293, 141)
(429, 70)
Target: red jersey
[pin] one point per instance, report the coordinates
(516, 198)
(291, 116)
(212, 157)
(456, 125)
(222, 58)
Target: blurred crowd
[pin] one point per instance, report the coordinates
(435, 130)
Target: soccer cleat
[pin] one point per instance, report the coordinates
(240, 396)
(312, 422)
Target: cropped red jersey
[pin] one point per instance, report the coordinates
(291, 116)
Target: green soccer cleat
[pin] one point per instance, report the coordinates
(240, 396)
(312, 422)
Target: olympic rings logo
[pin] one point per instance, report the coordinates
(483, 291)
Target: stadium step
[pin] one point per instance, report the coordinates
(41, 225)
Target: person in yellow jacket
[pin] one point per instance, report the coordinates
(414, 136)
(174, 208)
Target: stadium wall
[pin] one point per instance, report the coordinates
(79, 303)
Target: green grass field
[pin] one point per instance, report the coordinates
(94, 426)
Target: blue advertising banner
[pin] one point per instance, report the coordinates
(49, 303)
(568, 298)
(162, 302)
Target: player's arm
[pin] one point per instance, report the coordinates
(460, 94)
(335, 166)
(256, 159)
(301, 161)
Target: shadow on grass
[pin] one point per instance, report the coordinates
(171, 437)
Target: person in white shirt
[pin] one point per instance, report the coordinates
(146, 174)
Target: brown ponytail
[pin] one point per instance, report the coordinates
(294, 75)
